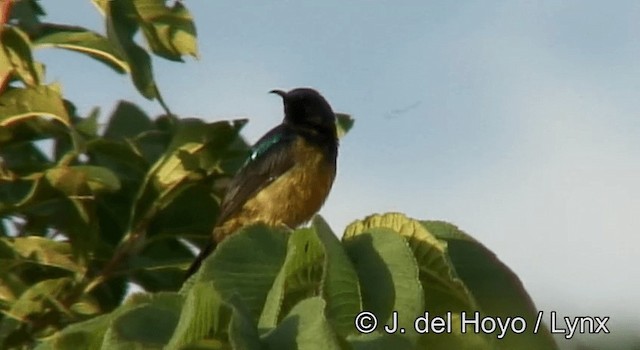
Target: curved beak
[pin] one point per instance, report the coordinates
(279, 93)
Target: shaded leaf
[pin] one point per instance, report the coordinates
(389, 278)
(160, 264)
(305, 327)
(26, 13)
(443, 290)
(344, 123)
(127, 121)
(148, 325)
(121, 28)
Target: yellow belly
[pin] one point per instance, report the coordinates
(290, 200)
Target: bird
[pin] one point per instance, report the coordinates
(288, 174)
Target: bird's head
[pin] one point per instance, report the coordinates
(306, 108)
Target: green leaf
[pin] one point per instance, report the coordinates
(17, 104)
(389, 278)
(340, 287)
(142, 320)
(26, 13)
(316, 265)
(246, 264)
(170, 31)
(498, 291)
(40, 298)
(99, 179)
(305, 327)
(84, 41)
(160, 264)
(299, 278)
(206, 318)
(15, 54)
(196, 150)
(82, 335)
(344, 123)
(443, 290)
(149, 325)
(127, 121)
(41, 251)
(120, 31)
(70, 180)
(22, 159)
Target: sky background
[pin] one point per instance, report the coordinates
(515, 120)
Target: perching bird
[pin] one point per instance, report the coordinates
(288, 174)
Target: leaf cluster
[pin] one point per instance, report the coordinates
(269, 288)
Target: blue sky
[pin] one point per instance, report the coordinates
(516, 120)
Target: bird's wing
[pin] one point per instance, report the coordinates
(270, 157)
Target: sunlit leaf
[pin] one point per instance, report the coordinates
(15, 51)
(206, 315)
(84, 41)
(305, 327)
(42, 251)
(170, 31)
(17, 104)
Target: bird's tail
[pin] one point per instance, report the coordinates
(200, 258)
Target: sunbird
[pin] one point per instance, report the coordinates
(288, 174)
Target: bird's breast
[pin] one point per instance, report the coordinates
(294, 197)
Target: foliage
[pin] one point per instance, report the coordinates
(123, 201)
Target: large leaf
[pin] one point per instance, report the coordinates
(84, 41)
(389, 280)
(208, 321)
(160, 264)
(444, 292)
(340, 286)
(149, 325)
(25, 13)
(299, 278)
(142, 320)
(170, 31)
(127, 121)
(497, 289)
(305, 327)
(316, 265)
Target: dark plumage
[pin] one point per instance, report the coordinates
(288, 174)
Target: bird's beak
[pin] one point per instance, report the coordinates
(279, 92)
